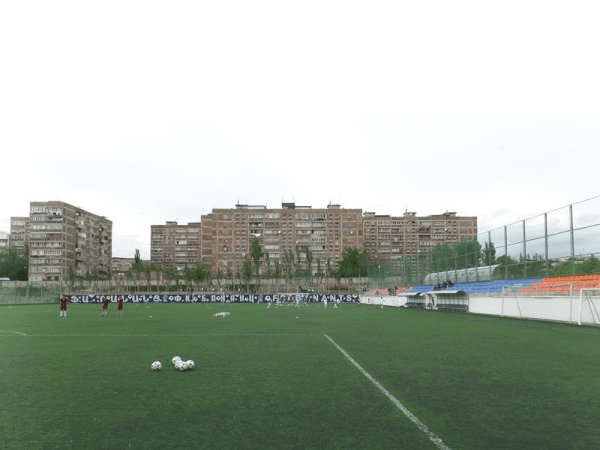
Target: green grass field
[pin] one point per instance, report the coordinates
(270, 379)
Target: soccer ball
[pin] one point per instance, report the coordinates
(190, 364)
(175, 359)
(156, 365)
(181, 366)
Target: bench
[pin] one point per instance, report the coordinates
(452, 307)
(415, 304)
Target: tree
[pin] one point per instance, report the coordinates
(571, 267)
(220, 277)
(200, 272)
(319, 270)
(330, 271)
(441, 258)
(467, 253)
(488, 254)
(14, 264)
(255, 252)
(590, 265)
(247, 273)
(137, 260)
(354, 263)
(268, 269)
(277, 270)
(308, 259)
(289, 264)
(71, 276)
(508, 267)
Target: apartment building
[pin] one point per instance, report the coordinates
(4, 239)
(61, 238)
(174, 245)
(391, 238)
(19, 233)
(322, 233)
(223, 239)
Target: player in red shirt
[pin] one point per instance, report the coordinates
(120, 306)
(105, 302)
(63, 306)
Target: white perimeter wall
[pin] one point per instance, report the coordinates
(561, 309)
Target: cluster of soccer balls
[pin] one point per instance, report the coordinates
(179, 364)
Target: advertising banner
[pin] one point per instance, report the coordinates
(216, 298)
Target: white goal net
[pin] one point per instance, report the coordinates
(589, 306)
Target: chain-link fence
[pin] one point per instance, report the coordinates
(15, 292)
(564, 241)
(22, 292)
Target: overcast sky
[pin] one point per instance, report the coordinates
(145, 111)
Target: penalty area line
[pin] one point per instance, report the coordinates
(432, 436)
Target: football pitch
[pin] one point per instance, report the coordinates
(294, 378)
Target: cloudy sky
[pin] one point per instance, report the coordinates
(148, 111)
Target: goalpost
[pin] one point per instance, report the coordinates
(589, 306)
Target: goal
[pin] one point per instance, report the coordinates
(589, 306)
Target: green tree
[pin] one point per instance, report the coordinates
(289, 265)
(590, 265)
(508, 268)
(14, 264)
(71, 276)
(468, 253)
(137, 260)
(354, 263)
(200, 272)
(277, 270)
(488, 254)
(268, 266)
(256, 252)
(308, 260)
(298, 263)
(442, 258)
(330, 271)
(247, 273)
(572, 267)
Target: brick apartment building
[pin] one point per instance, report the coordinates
(174, 245)
(4, 239)
(227, 234)
(391, 238)
(62, 237)
(223, 238)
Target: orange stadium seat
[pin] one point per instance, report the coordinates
(568, 283)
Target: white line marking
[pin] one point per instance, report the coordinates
(16, 332)
(163, 335)
(435, 439)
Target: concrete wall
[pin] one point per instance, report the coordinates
(554, 308)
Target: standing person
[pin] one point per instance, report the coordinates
(120, 306)
(105, 301)
(63, 306)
